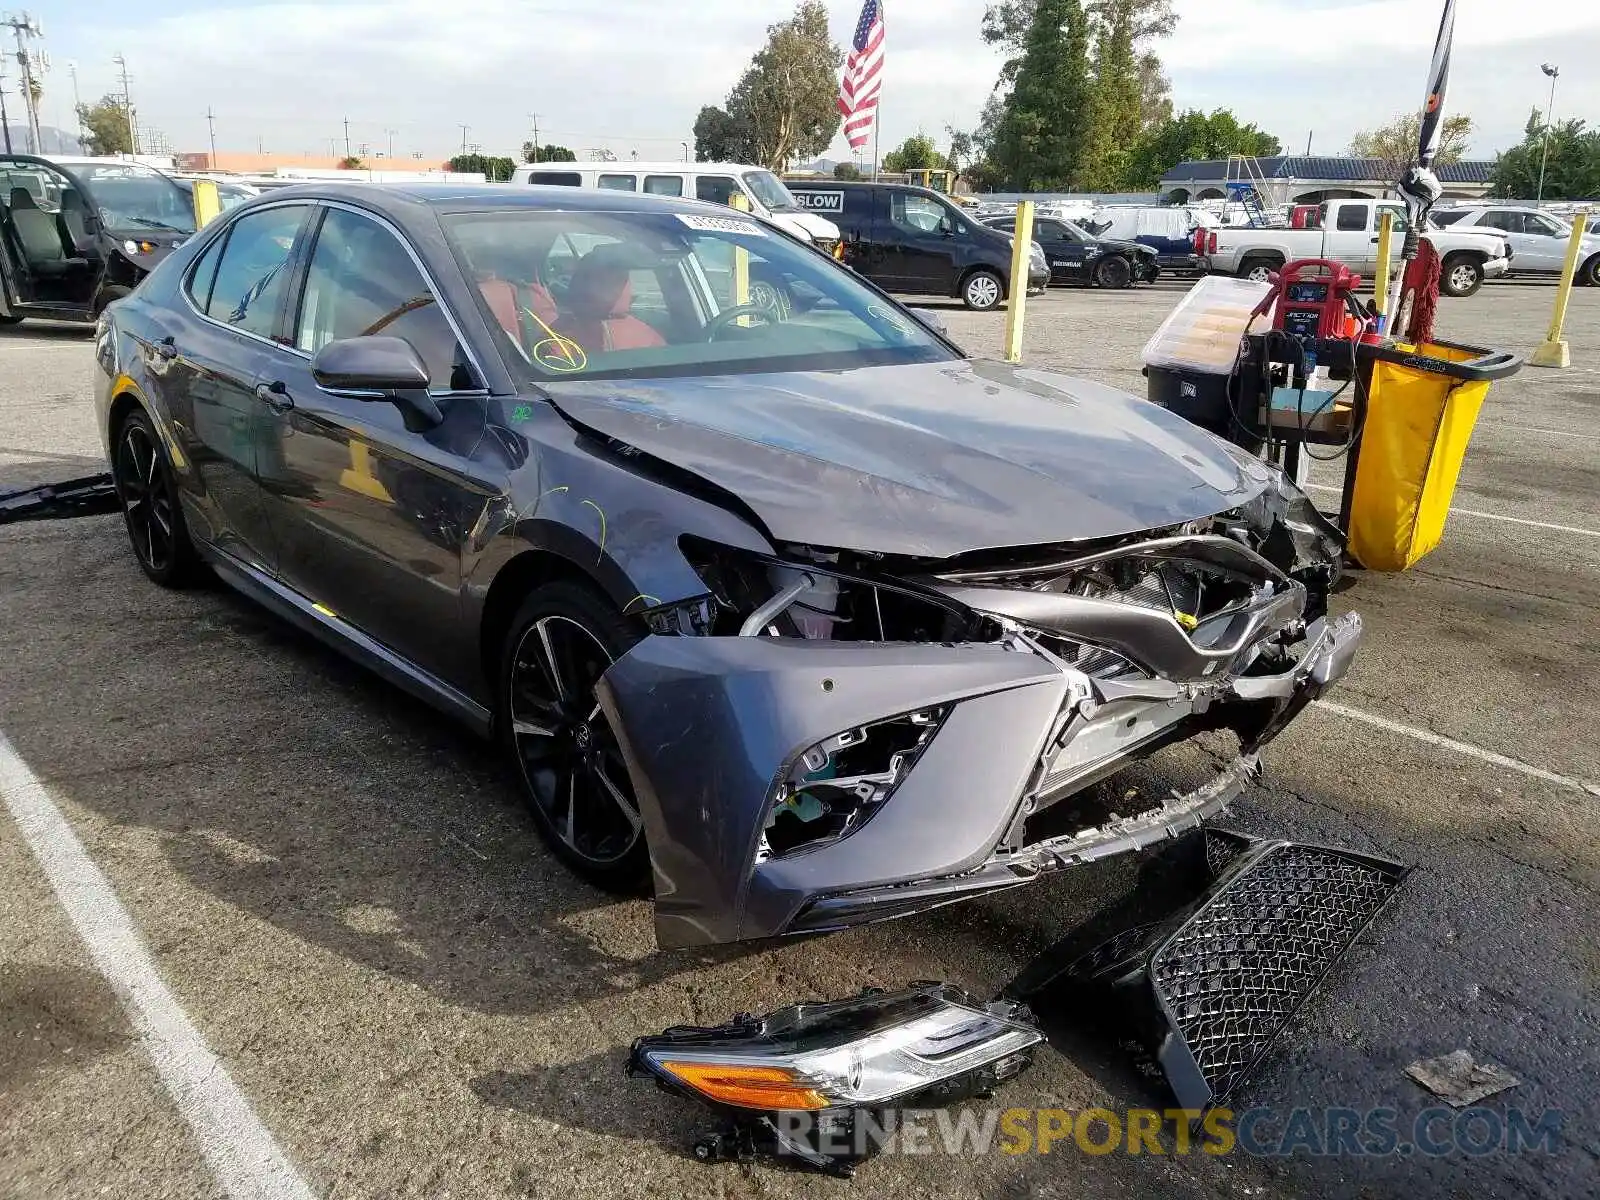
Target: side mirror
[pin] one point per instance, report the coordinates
(377, 368)
(931, 319)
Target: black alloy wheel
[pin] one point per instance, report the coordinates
(1113, 272)
(150, 505)
(576, 783)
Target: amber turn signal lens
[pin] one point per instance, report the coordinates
(771, 1089)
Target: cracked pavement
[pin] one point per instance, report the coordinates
(340, 889)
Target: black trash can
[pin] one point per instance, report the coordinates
(1198, 397)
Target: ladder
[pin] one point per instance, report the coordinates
(1246, 184)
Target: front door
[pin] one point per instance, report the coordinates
(1068, 256)
(922, 247)
(207, 367)
(371, 516)
(1541, 243)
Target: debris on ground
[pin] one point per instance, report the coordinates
(1459, 1081)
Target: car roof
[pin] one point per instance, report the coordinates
(665, 166)
(401, 197)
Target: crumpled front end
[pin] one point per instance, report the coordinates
(827, 739)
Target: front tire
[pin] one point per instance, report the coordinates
(983, 290)
(151, 510)
(1114, 272)
(567, 758)
(1460, 276)
(1589, 273)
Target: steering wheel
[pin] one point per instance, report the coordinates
(728, 316)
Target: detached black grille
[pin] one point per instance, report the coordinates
(1233, 975)
(1205, 991)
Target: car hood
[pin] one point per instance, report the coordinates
(930, 460)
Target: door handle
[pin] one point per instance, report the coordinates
(275, 395)
(166, 349)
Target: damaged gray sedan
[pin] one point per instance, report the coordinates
(771, 595)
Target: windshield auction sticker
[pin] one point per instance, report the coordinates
(723, 225)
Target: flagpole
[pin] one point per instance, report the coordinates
(877, 116)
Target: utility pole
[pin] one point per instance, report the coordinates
(390, 134)
(77, 104)
(5, 121)
(1544, 156)
(211, 124)
(1309, 136)
(465, 129)
(347, 137)
(127, 103)
(333, 147)
(534, 118)
(25, 28)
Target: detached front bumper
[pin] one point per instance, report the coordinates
(1494, 268)
(711, 725)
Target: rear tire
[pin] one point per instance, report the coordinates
(566, 756)
(983, 290)
(1461, 275)
(151, 509)
(1589, 273)
(1114, 271)
(1258, 270)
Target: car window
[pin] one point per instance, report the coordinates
(1540, 224)
(1398, 219)
(620, 183)
(204, 273)
(1352, 218)
(557, 178)
(717, 189)
(1443, 219)
(607, 294)
(362, 282)
(1502, 221)
(664, 185)
(253, 272)
(916, 214)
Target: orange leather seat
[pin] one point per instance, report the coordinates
(596, 314)
(507, 301)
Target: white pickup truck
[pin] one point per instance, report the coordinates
(1348, 234)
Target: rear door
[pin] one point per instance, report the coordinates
(371, 516)
(206, 366)
(920, 255)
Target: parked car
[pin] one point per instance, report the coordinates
(804, 616)
(764, 193)
(1348, 233)
(912, 240)
(230, 192)
(1078, 257)
(1166, 229)
(1538, 240)
(78, 233)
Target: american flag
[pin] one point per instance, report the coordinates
(863, 76)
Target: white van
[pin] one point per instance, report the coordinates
(716, 182)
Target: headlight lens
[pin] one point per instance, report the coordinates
(874, 1050)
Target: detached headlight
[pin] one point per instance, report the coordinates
(931, 1043)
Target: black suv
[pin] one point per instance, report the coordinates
(911, 239)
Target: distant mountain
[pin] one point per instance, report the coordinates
(56, 141)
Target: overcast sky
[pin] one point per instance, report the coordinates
(631, 74)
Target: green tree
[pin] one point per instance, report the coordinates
(494, 168)
(788, 95)
(917, 151)
(106, 123)
(1571, 172)
(352, 163)
(549, 152)
(1395, 144)
(848, 172)
(1192, 135)
(1040, 140)
(719, 136)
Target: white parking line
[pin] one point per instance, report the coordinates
(1566, 433)
(1477, 752)
(1489, 516)
(241, 1152)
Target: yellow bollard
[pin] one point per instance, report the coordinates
(741, 261)
(207, 203)
(1380, 277)
(1554, 351)
(1017, 308)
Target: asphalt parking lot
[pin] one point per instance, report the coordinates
(342, 896)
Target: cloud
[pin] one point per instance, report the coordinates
(632, 74)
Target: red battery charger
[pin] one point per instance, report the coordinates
(1312, 298)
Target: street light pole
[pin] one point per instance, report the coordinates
(1544, 156)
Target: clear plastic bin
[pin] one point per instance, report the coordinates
(1203, 332)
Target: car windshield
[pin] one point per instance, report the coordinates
(132, 196)
(769, 189)
(592, 295)
(1079, 232)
